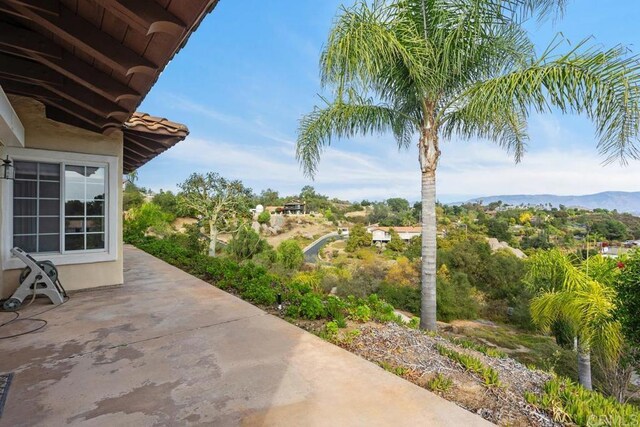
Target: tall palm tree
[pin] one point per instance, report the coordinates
(437, 69)
(582, 298)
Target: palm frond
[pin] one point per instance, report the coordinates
(341, 119)
(604, 85)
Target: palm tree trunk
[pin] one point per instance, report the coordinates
(213, 240)
(584, 367)
(428, 290)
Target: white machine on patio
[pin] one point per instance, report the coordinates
(37, 278)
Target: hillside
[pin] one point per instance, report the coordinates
(620, 200)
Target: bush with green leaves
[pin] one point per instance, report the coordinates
(330, 331)
(396, 244)
(290, 255)
(311, 307)
(246, 244)
(360, 313)
(628, 287)
(456, 298)
(403, 297)
(147, 218)
(264, 217)
(359, 237)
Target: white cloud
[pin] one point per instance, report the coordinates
(466, 169)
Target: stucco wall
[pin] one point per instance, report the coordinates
(42, 133)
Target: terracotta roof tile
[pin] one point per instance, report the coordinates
(144, 122)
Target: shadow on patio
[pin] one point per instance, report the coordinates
(169, 349)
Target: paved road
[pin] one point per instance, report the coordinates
(311, 252)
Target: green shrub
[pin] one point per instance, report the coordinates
(290, 254)
(440, 383)
(414, 323)
(146, 218)
(381, 310)
(403, 297)
(330, 332)
(360, 313)
(246, 243)
(264, 217)
(358, 238)
(569, 402)
(336, 309)
(456, 298)
(311, 307)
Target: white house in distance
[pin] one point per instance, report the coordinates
(71, 79)
(382, 235)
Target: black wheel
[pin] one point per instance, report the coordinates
(50, 269)
(12, 304)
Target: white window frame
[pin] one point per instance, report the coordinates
(112, 223)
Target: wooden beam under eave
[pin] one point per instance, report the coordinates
(82, 114)
(82, 35)
(77, 94)
(128, 149)
(145, 16)
(90, 100)
(15, 67)
(133, 155)
(26, 89)
(146, 144)
(137, 147)
(48, 6)
(73, 68)
(27, 41)
(61, 116)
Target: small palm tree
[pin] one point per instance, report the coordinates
(581, 297)
(428, 70)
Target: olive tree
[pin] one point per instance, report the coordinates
(220, 204)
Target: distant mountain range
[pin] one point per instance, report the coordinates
(620, 200)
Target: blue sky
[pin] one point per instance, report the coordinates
(251, 70)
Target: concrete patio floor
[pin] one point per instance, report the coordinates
(169, 349)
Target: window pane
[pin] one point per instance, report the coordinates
(95, 241)
(74, 225)
(49, 225)
(25, 207)
(95, 224)
(25, 225)
(95, 208)
(27, 243)
(25, 170)
(74, 242)
(49, 171)
(74, 208)
(49, 243)
(95, 192)
(95, 175)
(50, 189)
(36, 207)
(74, 173)
(25, 188)
(74, 190)
(50, 207)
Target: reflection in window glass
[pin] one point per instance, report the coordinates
(84, 190)
(36, 206)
